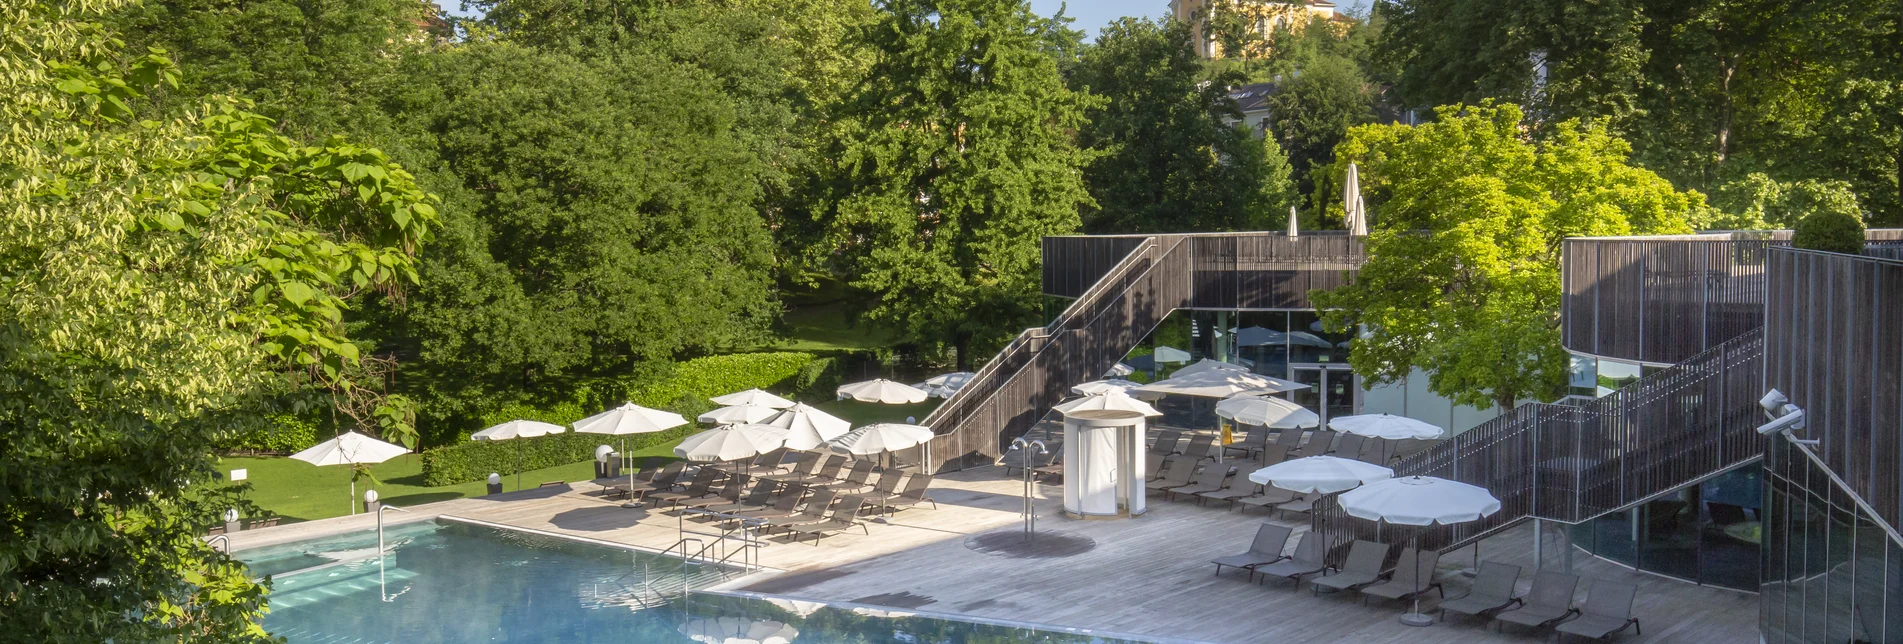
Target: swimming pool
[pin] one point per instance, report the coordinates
(453, 582)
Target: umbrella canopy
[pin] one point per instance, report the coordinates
(1216, 383)
(739, 414)
(1251, 336)
(1325, 474)
(1306, 339)
(1206, 364)
(879, 438)
(1267, 412)
(807, 427)
(1168, 355)
(754, 397)
(1119, 370)
(1115, 400)
(629, 418)
(882, 391)
(1105, 386)
(736, 630)
(517, 429)
(1356, 212)
(1386, 426)
(1420, 500)
(945, 385)
(351, 448)
(1293, 230)
(730, 442)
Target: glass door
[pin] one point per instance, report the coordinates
(1330, 392)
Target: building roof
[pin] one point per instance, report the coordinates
(1253, 97)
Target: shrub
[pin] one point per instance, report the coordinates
(682, 388)
(281, 434)
(474, 460)
(818, 379)
(1832, 230)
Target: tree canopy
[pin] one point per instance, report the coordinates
(1462, 277)
(167, 272)
(1708, 92)
(1171, 157)
(951, 160)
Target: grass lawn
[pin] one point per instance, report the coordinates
(299, 491)
(822, 327)
(865, 413)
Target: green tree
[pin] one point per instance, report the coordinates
(166, 274)
(307, 64)
(1462, 278)
(604, 212)
(952, 159)
(1708, 91)
(1169, 158)
(1830, 220)
(1312, 111)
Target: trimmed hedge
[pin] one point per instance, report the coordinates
(474, 460)
(1834, 231)
(280, 435)
(684, 390)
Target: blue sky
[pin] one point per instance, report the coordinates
(1091, 15)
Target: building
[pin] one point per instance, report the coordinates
(1253, 100)
(1265, 16)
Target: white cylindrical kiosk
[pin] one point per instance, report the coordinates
(1103, 463)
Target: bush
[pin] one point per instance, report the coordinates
(1832, 230)
(682, 388)
(281, 434)
(474, 460)
(818, 379)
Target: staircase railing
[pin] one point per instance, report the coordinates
(1013, 391)
(1574, 463)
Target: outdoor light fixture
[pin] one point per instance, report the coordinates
(1784, 416)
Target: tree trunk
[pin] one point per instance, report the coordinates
(962, 345)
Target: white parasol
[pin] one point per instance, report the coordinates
(1386, 426)
(1268, 412)
(752, 397)
(1325, 474)
(882, 391)
(353, 449)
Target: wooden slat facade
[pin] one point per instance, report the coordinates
(1228, 271)
(1660, 300)
(1834, 345)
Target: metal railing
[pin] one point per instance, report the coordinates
(1572, 463)
(1009, 394)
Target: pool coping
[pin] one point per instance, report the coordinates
(956, 617)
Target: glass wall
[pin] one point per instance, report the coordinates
(1285, 344)
(1706, 533)
(1832, 573)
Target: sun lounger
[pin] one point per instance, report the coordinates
(1550, 600)
(729, 493)
(767, 462)
(1317, 445)
(854, 479)
(828, 471)
(1303, 503)
(802, 470)
(1265, 549)
(1377, 451)
(1055, 466)
(703, 480)
(1289, 439)
(913, 494)
(1176, 473)
(845, 515)
(1349, 446)
(1166, 442)
(813, 512)
(1019, 460)
(1362, 568)
(1199, 446)
(1492, 591)
(1213, 477)
(1306, 561)
(785, 505)
(1413, 575)
(1271, 454)
(759, 497)
(1608, 610)
(1239, 487)
(1270, 497)
(661, 480)
(1254, 438)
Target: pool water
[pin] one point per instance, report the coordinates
(453, 582)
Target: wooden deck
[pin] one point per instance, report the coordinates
(1145, 576)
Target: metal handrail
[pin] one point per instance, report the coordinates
(380, 510)
(647, 578)
(220, 537)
